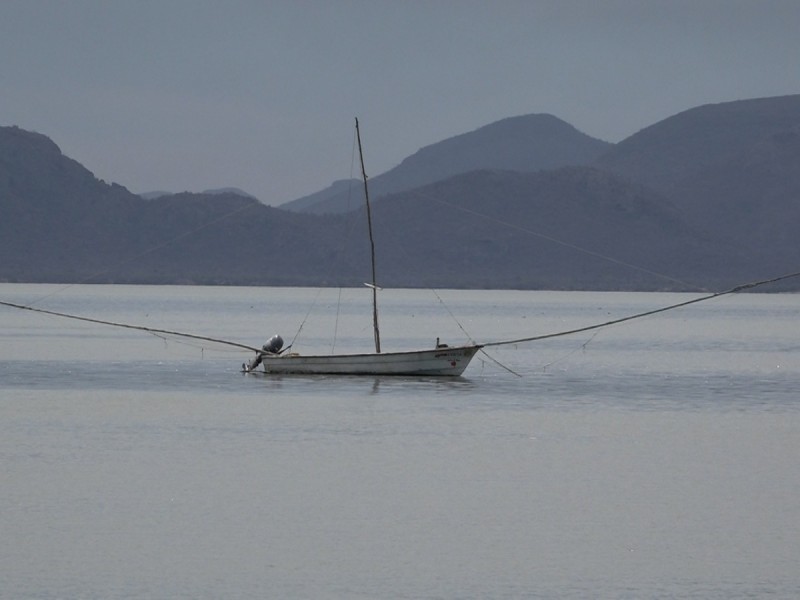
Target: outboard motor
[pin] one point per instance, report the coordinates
(274, 345)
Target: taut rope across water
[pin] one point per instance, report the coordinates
(733, 290)
(128, 326)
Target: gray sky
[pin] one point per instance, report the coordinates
(186, 95)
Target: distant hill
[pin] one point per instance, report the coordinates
(153, 195)
(61, 224)
(57, 218)
(700, 138)
(228, 190)
(214, 192)
(526, 143)
(732, 169)
(339, 195)
(714, 221)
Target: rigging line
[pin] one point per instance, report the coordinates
(498, 363)
(188, 343)
(336, 322)
(148, 251)
(128, 326)
(560, 242)
(452, 316)
(310, 308)
(738, 288)
(571, 352)
(391, 234)
(346, 237)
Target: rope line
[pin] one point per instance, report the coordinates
(127, 326)
(349, 224)
(583, 347)
(738, 288)
(452, 316)
(393, 239)
(499, 364)
(310, 308)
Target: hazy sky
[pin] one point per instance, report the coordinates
(186, 95)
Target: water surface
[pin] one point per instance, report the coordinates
(653, 459)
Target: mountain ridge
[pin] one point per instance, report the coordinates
(608, 226)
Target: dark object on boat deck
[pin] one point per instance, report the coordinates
(273, 346)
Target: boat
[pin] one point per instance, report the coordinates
(435, 362)
(440, 361)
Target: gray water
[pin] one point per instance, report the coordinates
(655, 459)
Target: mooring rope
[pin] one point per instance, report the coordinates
(738, 288)
(128, 326)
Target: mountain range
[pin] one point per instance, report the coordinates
(704, 199)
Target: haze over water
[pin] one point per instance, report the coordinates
(654, 459)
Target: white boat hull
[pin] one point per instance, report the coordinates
(448, 362)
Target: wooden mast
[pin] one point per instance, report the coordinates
(374, 285)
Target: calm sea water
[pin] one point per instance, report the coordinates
(655, 459)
